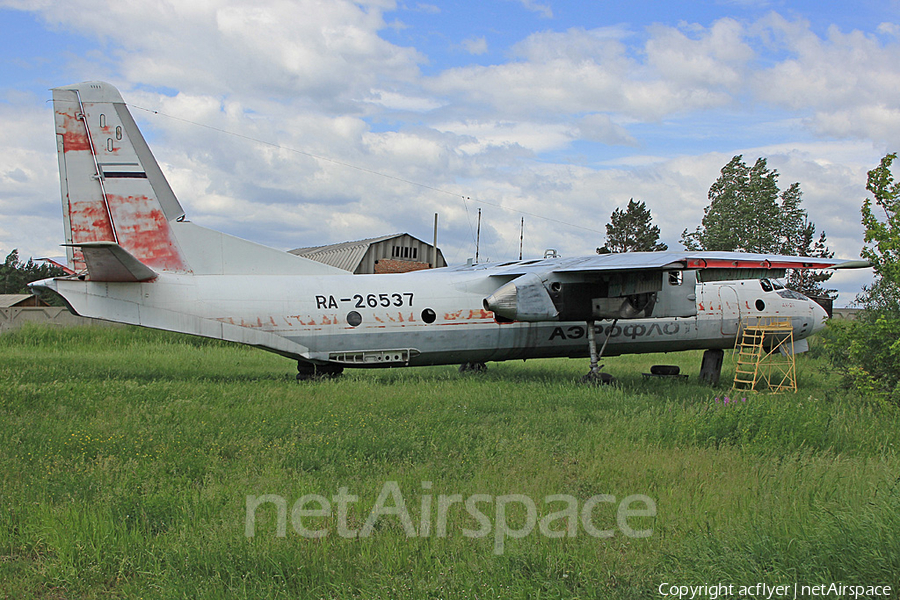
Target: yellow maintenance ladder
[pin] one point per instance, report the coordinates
(764, 352)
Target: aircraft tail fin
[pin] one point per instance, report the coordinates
(112, 188)
(119, 209)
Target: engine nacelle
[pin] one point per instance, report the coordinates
(523, 299)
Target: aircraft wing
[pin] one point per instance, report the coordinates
(626, 286)
(666, 261)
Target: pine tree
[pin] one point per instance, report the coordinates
(807, 281)
(743, 211)
(747, 212)
(632, 230)
(15, 275)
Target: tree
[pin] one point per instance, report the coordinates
(15, 275)
(747, 212)
(807, 281)
(631, 231)
(883, 234)
(868, 349)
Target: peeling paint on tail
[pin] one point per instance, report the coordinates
(144, 231)
(97, 141)
(75, 138)
(88, 222)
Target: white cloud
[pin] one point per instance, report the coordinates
(475, 45)
(326, 51)
(874, 121)
(889, 29)
(601, 128)
(482, 135)
(317, 77)
(580, 71)
(715, 58)
(397, 101)
(543, 9)
(30, 208)
(427, 8)
(848, 82)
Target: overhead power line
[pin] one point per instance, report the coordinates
(463, 197)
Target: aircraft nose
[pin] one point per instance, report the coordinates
(820, 317)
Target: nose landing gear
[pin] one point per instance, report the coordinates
(595, 376)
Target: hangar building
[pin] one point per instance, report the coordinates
(397, 253)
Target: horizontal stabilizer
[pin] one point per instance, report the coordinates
(108, 261)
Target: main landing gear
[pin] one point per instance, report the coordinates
(311, 372)
(595, 376)
(472, 367)
(711, 367)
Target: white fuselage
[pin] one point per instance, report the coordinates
(423, 318)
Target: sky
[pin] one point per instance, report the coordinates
(297, 123)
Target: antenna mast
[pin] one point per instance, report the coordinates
(434, 254)
(478, 236)
(521, 237)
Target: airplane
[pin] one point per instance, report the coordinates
(138, 260)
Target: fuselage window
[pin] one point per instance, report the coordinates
(675, 277)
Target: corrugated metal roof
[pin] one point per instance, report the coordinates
(341, 245)
(345, 255)
(10, 300)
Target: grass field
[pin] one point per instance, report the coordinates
(128, 457)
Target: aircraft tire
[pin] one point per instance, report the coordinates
(310, 372)
(668, 370)
(598, 378)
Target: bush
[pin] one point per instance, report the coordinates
(867, 352)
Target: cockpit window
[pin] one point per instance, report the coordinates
(791, 294)
(766, 285)
(777, 285)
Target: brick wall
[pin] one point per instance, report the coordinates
(387, 265)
